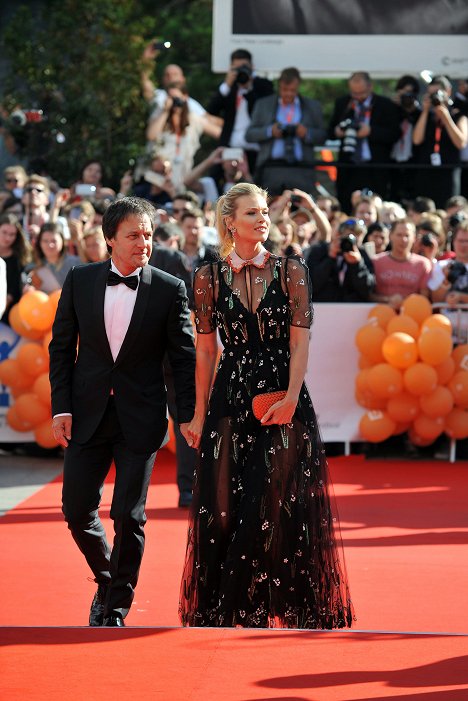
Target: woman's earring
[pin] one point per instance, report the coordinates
(233, 231)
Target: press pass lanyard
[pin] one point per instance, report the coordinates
(436, 159)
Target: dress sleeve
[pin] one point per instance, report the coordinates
(299, 291)
(204, 300)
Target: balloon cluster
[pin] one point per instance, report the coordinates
(411, 379)
(27, 374)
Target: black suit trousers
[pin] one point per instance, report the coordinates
(85, 469)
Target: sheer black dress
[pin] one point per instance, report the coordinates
(263, 545)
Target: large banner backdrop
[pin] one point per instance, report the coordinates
(332, 38)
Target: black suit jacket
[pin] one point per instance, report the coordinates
(358, 282)
(82, 380)
(225, 106)
(384, 123)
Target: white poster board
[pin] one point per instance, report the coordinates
(335, 38)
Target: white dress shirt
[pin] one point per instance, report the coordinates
(119, 302)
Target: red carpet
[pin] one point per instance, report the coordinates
(405, 531)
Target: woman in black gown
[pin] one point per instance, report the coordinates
(263, 544)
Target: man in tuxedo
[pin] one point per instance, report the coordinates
(109, 398)
(368, 125)
(287, 126)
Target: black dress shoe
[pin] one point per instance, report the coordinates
(96, 613)
(114, 621)
(185, 498)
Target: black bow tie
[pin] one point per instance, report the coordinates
(114, 279)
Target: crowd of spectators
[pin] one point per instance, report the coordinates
(387, 219)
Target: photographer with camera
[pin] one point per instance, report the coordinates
(440, 133)
(340, 269)
(367, 125)
(407, 100)
(234, 101)
(449, 282)
(287, 126)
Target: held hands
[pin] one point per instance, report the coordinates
(61, 428)
(280, 413)
(192, 431)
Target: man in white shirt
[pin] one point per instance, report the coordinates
(109, 397)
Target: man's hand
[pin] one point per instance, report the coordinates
(193, 432)
(364, 131)
(301, 131)
(276, 131)
(352, 257)
(61, 427)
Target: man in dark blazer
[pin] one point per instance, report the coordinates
(109, 398)
(287, 127)
(234, 101)
(373, 127)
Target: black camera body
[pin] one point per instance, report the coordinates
(178, 102)
(244, 74)
(347, 243)
(287, 130)
(456, 270)
(439, 97)
(408, 100)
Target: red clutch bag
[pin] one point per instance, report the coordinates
(262, 402)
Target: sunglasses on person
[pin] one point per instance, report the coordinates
(33, 188)
(11, 180)
(176, 210)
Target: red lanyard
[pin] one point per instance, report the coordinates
(437, 137)
(362, 116)
(289, 114)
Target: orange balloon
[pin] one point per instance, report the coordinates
(427, 427)
(29, 408)
(437, 321)
(41, 388)
(18, 326)
(418, 307)
(456, 424)
(384, 380)
(382, 313)
(438, 403)
(376, 426)
(36, 311)
(369, 401)
(364, 363)
(458, 386)
(400, 350)
(445, 371)
(44, 436)
(14, 421)
(402, 428)
(420, 378)
(405, 324)
(46, 340)
(54, 299)
(435, 346)
(32, 359)
(460, 356)
(419, 440)
(369, 340)
(12, 375)
(403, 408)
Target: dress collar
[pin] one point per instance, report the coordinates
(237, 263)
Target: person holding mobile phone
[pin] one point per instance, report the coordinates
(90, 183)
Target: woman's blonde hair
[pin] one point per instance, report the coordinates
(226, 207)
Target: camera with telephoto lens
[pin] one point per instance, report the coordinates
(178, 102)
(439, 97)
(350, 128)
(455, 220)
(347, 243)
(287, 130)
(244, 73)
(456, 270)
